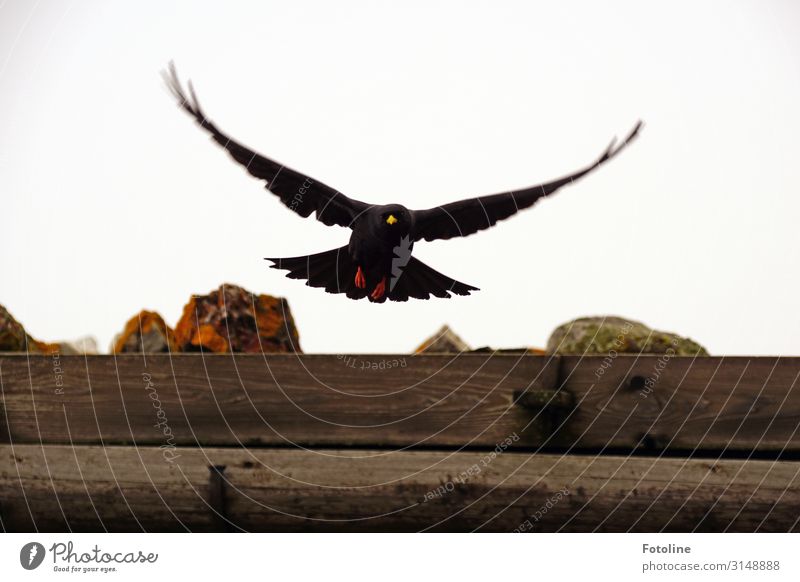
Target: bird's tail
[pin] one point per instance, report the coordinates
(419, 281)
(335, 272)
(332, 270)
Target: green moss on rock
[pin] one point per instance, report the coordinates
(602, 335)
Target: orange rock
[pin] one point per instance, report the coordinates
(45, 348)
(145, 332)
(232, 319)
(14, 338)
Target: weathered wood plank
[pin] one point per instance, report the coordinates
(254, 400)
(89, 488)
(720, 404)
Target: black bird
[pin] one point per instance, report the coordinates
(377, 262)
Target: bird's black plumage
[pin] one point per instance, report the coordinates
(377, 262)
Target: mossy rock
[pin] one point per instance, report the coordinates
(602, 335)
(12, 335)
(14, 338)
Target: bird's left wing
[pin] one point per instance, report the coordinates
(300, 193)
(467, 217)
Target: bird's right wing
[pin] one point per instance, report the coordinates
(300, 193)
(466, 217)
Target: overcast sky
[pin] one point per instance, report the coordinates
(114, 201)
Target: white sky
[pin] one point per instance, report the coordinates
(114, 201)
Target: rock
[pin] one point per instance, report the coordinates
(510, 351)
(231, 319)
(86, 345)
(601, 335)
(14, 338)
(444, 341)
(145, 332)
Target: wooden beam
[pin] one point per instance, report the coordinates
(89, 488)
(654, 403)
(722, 404)
(396, 400)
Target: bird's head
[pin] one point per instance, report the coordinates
(393, 220)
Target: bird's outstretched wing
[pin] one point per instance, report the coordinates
(467, 217)
(300, 193)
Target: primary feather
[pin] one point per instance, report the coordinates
(298, 192)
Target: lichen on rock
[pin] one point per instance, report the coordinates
(604, 334)
(14, 338)
(145, 332)
(232, 319)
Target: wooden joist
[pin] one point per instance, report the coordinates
(472, 400)
(90, 488)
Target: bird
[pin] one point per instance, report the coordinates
(377, 263)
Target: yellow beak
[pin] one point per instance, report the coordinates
(391, 219)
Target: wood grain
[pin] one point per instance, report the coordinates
(89, 488)
(272, 400)
(723, 405)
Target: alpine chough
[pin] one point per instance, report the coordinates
(377, 262)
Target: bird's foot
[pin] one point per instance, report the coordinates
(361, 280)
(379, 290)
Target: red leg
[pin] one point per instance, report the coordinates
(379, 290)
(361, 280)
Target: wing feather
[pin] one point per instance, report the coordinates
(467, 217)
(300, 193)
